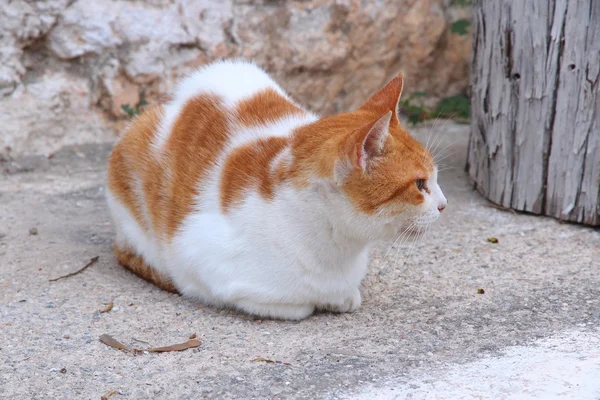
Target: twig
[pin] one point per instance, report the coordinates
(497, 207)
(266, 360)
(109, 395)
(141, 341)
(89, 264)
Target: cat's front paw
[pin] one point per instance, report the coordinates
(349, 305)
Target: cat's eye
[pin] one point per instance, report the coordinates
(421, 184)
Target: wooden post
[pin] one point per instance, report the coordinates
(535, 128)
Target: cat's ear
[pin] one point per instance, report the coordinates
(369, 141)
(386, 98)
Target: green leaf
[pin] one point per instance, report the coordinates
(454, 106)
(128, 110)
(460, 27)
(462, 3)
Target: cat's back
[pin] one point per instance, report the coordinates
(173, 151)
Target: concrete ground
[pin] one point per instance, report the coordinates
(423, 330)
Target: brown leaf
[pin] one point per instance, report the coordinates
(263, 360)
(89, 264)
(193, 336)
(107, 308)
(177, 347)
(109, 395)
(480, 291)
(266, 360)
(110, 341)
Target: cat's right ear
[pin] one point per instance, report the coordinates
(386, 98)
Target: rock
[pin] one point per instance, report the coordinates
(66, 68)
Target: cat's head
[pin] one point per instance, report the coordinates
(383, 181)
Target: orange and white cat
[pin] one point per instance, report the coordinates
(233, 194)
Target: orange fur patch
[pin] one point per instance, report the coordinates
(136, 264)
(168, 180)
(197, 139)
(250, 166)
(128, 161)
(265, 107)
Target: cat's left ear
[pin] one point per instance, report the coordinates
(386, 98)
(369, 141)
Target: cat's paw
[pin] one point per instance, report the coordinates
(349, 305)
(277, 311)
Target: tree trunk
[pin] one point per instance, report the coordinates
(535, 128)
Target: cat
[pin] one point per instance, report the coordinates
(233, 194)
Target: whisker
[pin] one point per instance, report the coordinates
(418, 239)
(404, 235)
(409, 251)
(431, 131)
(399, 236)
(437, 152)
(445, 169)
(441, 136)
(445, 156)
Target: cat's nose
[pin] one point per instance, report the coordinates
(441, 207)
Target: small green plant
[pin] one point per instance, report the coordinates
(457, 107)
(460, 27)
(454, 107)
(135, 110)
(414, 109)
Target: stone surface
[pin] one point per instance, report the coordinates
(90, 58)
(422, 331)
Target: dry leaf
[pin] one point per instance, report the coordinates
(263, 360)
(177, 347)
(107, 308)
(110, 341)
(266, 360)
(193, 336)
(109, 395)
(493, 240)
(480, 291)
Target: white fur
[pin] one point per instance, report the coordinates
(282, 258)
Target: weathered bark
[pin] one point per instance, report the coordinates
(535, 129)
